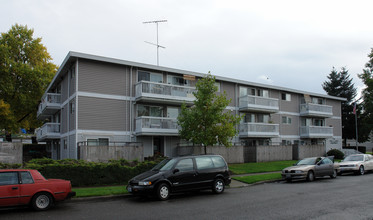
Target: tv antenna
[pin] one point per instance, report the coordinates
(157, 44)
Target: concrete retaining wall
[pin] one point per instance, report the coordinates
(105, 153)
(11, 152)
(234, 154)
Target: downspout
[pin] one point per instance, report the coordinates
(76, 108)
(131, 120)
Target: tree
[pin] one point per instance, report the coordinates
(207, 122)
(367, 94)
(340, 84)
(25, 72)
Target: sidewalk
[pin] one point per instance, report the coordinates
(238, 184)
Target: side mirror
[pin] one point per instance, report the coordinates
(175, 171)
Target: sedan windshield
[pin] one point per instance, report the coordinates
(354, 158)
(307, 161)
(166, 164)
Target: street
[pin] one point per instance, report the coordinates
(346, 197)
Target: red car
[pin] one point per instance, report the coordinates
(29, 187)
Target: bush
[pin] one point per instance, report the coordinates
(336, 153)
(83, 173)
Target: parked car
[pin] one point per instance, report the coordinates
(182, 174)
(357, 163)
(29, 187)
(310, 168)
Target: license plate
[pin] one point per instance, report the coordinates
(129, 189)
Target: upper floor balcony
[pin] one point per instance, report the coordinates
(50, 104)
(316, 132)
(316, 110)
(146, 125)
(259, 130)
(258, 104)
(165, 93)
(48, 131)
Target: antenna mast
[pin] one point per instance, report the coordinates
(158, 46)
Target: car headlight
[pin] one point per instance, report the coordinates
(145, 183)
(298, 171)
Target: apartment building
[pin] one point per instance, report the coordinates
(97, 100)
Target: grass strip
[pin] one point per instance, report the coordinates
(258, 178)
(99, 191)
(246, 168)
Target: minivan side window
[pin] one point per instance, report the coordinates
(204, 163)
(218, 162)
(185, 165)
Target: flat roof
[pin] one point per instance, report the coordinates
(72, 56)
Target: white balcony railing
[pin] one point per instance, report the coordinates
(146, 125)
(316, 132)
(165, 92)
(48, 131)
(258, 103)
(50, 103)
(259, 130)
(310, 109)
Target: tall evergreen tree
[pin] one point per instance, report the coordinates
(367, 95)
(340, 84)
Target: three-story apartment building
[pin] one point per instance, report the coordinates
(101, 101)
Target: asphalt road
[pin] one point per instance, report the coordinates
(347, 197)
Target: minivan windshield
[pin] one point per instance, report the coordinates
(166, 164)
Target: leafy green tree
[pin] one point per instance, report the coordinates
(207, 122)
(25, 72)
(340, 84)
(367, 95)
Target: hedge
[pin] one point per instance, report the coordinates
(83, 173)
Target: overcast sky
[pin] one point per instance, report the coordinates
(285, 43)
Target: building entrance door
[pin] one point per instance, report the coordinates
(158, 145)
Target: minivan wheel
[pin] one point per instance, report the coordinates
(310, 176)
(163, 191)
(218, 186)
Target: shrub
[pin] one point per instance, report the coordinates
(336, 153)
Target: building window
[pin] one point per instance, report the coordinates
(286, 97)
(177, 80)
(319, 101)
(72, 108)
(256, 118)
(285, 142)
(150, 77)
(98, 142)
(286, 120)
(217, 84)
(146, 110)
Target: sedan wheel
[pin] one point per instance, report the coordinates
(310, 176)
(218, 186)
(42, 201)
(163, 191)
(361, 170)
(334, 175)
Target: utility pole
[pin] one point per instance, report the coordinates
(158, 46)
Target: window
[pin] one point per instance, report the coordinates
(319, 101)
(146, 110)
(217, 84)
(286, 97)
(256, 118)
(285, 142)
(26, 178)
(263, 93)
(204, 163)
(218, 162)
(318, 122)
(98, 142)
(185, 165)
(72, 108)
(151, 77)
(177, 80)
(244, 91)
(286, 120)
(9, 178)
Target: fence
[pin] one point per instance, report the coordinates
(11, 152)
(112, 151)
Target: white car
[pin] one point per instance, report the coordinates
(357, 163)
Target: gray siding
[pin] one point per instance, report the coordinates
(64, 120)
(72, 147)
(72, 114)
(230, 90)
(336, 124)
(290, 106)
(72, 80)
(337, 110)
(103, 78)
(290, 129)
(64, 88)
(103, 114)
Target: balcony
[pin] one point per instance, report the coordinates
(258, 104)
(50, 104)
(48, 131)
(261, 130)
(164, 93)
(315, 110)
(316, 132)
(156, 126)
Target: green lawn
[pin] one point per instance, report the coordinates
(99, 191)
(258, 178)
(245, 168)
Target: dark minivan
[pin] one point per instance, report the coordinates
(182, 174)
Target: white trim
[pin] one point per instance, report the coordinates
(105, 96)
(99, 132)
(288, 113)
(336, 117)
(76, 105)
